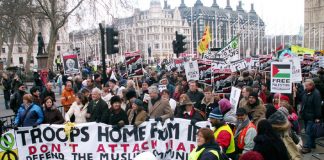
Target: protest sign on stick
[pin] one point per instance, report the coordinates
(281, 77)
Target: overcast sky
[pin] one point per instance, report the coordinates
(280, 16)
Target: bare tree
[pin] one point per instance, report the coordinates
(57, 13)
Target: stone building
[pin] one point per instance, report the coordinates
(225, 24)
(153, 28)
(314, 24)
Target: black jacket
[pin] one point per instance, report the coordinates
(270, 148)
(53, 116)
(97, 110)
(206, 154)
(195, 115)
(16, 100)
(311, 105)
(195, 97)
(112, 118)
(6, 88)
(46, 93)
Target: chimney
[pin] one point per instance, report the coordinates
(182, 5)
(198, 3)
(239, 8)
(252, 9)
(228, 5)
(215, 4)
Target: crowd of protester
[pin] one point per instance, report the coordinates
(263, 126)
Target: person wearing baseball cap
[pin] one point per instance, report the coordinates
(245, 132)
(223, 133)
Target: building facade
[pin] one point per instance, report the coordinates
(153, 29)
(225, 24)
(314, 24)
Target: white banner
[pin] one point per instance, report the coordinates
(281, 74)
(238, 65)
(173, 140)
(235, 98)
(296, 69)
(192, 70)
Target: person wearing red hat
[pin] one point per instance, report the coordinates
(278, 97)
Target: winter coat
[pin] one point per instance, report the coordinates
(97, 110)
(68, 97)
(206, 155)
(195, 97)
(249, 136)
(53, 116)
(207, 107)
(112, 117)
(230, 117)
(161, 108)
(256, 111)
(47, 93)
(270, 148)
(6, 88)
(79, 111)
(31, 116)
(140, 117)
(193, 115)
(284, 131)
(311, 105)
(37, 100)
(16, 100)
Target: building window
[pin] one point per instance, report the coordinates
(32, 59)
(156, 46)
(4, 59)
(21, 60)
(19, 50)
(58, 48)
(11, 60)
(58, 37)
(3, 50)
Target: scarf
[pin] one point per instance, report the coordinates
(241, 125)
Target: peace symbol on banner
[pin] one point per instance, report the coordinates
(7, 141)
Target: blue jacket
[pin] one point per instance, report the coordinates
(34, 116)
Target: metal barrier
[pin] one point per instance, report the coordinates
(9, 120)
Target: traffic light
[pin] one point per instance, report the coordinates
(178, 44)
(112, 41)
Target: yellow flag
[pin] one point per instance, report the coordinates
(300, 50)
(203, 44)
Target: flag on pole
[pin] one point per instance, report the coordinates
(203, 44)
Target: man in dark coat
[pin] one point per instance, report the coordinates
(194, 95)
(190, 113)
(48, 92)
(6, 82)
(310, 112)
(96, 107)
(16, 99)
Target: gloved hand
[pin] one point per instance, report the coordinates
(193, 122)
(158, 119)
(147, 119)
(35, 125)
(171, 118)
(15, 127)
(121, 124)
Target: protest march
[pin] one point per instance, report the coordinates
(170, 110)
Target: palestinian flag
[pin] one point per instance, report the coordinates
(281, 71)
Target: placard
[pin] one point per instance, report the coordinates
(192, 71)
(281, 77)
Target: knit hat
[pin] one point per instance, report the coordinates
(270, 110)
(130, 94)
(138, 102)
(255, 95)
(216, 114)
(256, 84)
(277, 118)
(284, 98)
(284, 111)
(224, 105)
(20, 84)
(33, 90)
(96, 76)
(241, 111)
(115, 99)
(251, 155)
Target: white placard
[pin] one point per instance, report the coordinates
(235, 98)
(192, 70)
(281, 77)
